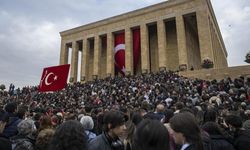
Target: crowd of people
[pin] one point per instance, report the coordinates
(161, 111)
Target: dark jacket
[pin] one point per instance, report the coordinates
(11, 127)
(218, 142)
(242, 141)
(5, 144)
(190, 147)
(101, 143)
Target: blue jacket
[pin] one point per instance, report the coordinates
(11, 128)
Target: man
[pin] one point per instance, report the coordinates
(11, 127)
(241, 135)
(113, 128)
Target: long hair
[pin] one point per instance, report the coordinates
(150, 135)
(186, 124)
(70, 135)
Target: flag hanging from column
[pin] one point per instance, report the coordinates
(136, 47)
(119, 52)
(54, 78)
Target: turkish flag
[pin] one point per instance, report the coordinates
(54, 78)
(136, 47)
(119, 51)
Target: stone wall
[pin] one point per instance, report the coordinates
(210, 74)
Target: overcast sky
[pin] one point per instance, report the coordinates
(30, 40)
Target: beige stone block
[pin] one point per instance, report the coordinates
(181, 40)
(161, 32)
(110, 54)
(128, 51)
(85, 59)
(74, 62)
(204, 35)
(97, 49)
(64, 53)
(144, 47)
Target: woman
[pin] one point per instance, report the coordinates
(70, 135)
(186, 131)
(150, 135)
(43, 139)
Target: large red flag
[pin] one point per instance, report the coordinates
(119, 51)
(136, 47)
(54, 78)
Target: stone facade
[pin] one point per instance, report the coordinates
(172, 34)
(219, 73)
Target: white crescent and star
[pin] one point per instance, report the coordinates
(47, 77)
(120, 47)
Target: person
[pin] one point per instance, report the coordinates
(147, 139)
(210, 115)
(10, 129)
(130, 128)
(159, 111)
(43, 139)
(44, 123)
(5, 143)
(186, 131)
(219, 140)
(192, 68)
(88, 125)
(113, 128)
(241, 135)
(24, 139)
(69, 136)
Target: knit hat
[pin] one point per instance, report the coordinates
(246, 125)
(26, 127)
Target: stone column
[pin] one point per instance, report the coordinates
(144, 48)
(64, 53)
(128, 52)
(74, 62)
(97, 54)
(181, 41)
(204, 34)
(161, 33)
(84, 60)
(110, 54)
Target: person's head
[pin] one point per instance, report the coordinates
(212, 128)
(186, 130)
(70, 135)
(55, 121)
(210, 115)
(168, 114)
(45, 122)
(43, 139)
(234, 122)
(179, 105)
(26, 127)
(150, 135)
(160, 108)
(21, 112)
(136, 118)
(11, 107)
(87, 122)
(114, 123)
(246, 125)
